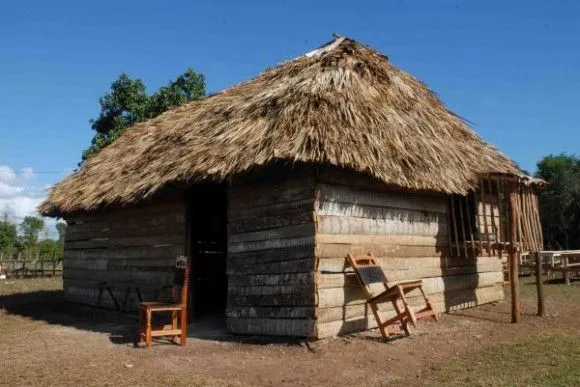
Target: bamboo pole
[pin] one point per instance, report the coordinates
(463, 229)
(513, 257)
(540, 285)
(468, 211)
(485, 218)
(493, 225)
(454, 225)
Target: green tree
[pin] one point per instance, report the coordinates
(8, 235)
(560, 201)
(128, 103)
(30, 227)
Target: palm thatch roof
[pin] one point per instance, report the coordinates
(343, 105)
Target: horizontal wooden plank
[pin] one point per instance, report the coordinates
(303, 230)
(272, 312)
(137, 277)
(357, 210)
(271, 279)
(272, 296)
(148, 209)
(336, 250)
(270, 244)
(116, 242)
(455, 301)
(334, 297)
(159, 251)
(267, 194)
(349, 279)
(273, 255)
(82, 294)
(273, 327)
(295, 266)
(348, 195)
(266, 222)
(330, 224)
(271, 209)
(404, 240)
(389, 265)
(116, 231)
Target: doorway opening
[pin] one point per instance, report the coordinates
(208, 246)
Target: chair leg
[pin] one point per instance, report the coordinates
(435, 315)
(174, 323)
(148, 329)
(382, 328)
(183, 326)
(408, 310)
(404, 322)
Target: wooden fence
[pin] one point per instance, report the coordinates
(15, 268)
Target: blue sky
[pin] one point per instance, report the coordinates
(509, 67)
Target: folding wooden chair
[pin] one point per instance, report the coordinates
(177, 308)
(368, 273)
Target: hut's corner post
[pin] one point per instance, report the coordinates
(513, 254)
(540, 285)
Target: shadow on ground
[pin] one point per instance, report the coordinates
(49, 306)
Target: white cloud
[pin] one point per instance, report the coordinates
(19, 194)
(9, 191)
(6, 174)
(27, 173)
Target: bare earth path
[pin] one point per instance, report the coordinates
(42, 344)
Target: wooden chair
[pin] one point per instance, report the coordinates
(369, 273)
(177, 308)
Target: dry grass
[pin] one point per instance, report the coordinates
(346, 106)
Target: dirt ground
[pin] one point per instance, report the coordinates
(48, 343)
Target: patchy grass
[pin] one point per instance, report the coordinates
(540, 360)
(12, 286)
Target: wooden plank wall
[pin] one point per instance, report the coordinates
(408, 232)
(270, 264)
(134, 246)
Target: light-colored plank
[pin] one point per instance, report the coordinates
(404, 240)
(348, 195)
(357, 210)
(327, 224)
(340, 250)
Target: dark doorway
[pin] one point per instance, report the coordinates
(208, 222)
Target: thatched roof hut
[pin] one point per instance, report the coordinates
(268, 185)
(343, 105)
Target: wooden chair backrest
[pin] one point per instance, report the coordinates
(181, 280)
(367, 271)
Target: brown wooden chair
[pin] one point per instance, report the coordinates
(177, 309)
(369, 273)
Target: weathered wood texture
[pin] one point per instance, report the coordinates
(409, 234)
(127, 247)
(270, 266)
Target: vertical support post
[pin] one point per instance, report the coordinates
(513, 255)
(540, 284)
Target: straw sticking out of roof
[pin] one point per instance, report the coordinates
(344, 105)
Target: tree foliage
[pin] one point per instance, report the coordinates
(31, 227)
(24, 240)
(560, 201)
(7, 235)
(128, 103)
